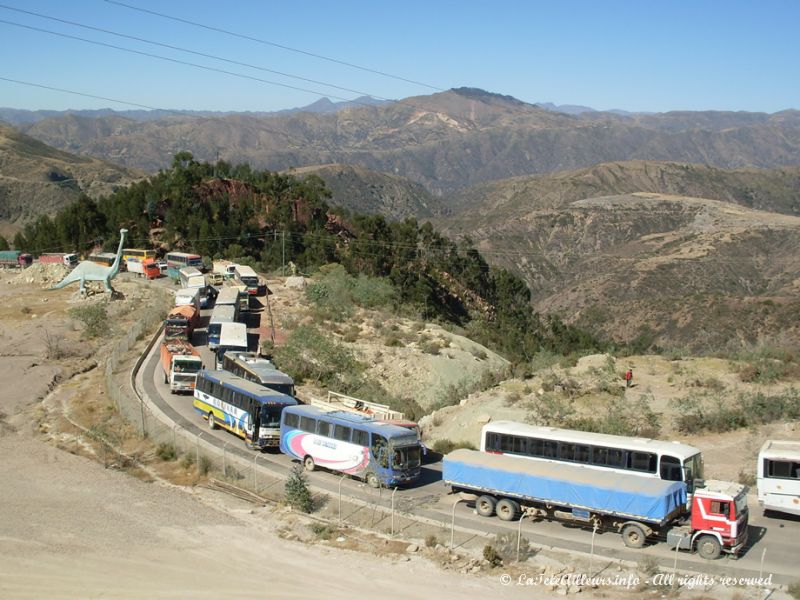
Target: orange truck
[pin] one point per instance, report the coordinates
(146, 268)
(181, 362)
(181, 322)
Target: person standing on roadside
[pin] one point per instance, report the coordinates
(628, 378)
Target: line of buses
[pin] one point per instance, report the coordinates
(254, 400)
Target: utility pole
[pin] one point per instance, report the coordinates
(283, 253)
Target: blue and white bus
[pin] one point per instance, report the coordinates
(379, 453)
(244, 408)
(181, 260)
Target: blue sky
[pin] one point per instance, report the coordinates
(631, 55)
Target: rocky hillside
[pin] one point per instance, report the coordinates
(37, 179)
(370, 192)
(653, 268)
(446, 141)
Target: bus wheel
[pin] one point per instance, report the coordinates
(507, 510)
(372, 480)
(708, 547)
(484, 505)
(212, 424)
(633, 535)
(308, 463)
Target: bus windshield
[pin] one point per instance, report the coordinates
(270, 416)
(186, 366)
(406, 457)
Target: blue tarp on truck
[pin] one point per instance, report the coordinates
(571, 486)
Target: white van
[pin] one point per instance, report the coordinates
(778, 476)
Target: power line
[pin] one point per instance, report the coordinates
(276, 45)
(173, 60)
(189, 51)
(56, 89)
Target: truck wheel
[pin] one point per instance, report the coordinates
(485, 505)
(507, 510)
(166, 379)
(708, 547)
(212, 424)
(308, 463)
(633, 535)
(373, 481)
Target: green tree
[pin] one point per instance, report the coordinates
(296, 491)
(4, 243)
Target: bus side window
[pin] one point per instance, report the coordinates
(308, 424)
(380, 450)
(671, 468)
(324, 429)
(360, 437)
(291, 420)
(535, 447)
(342, 433)
(550, 449)
(642, 461)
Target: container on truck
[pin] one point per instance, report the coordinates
(181, 322)
(144, 268)
(180, 362)
(639, 508)
(778, 476)
(14, 259)
(59, 258)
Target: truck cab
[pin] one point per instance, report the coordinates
(719, 518)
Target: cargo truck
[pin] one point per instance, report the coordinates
(12, 259)
(180, 362)
(59, 258)
(144, 268)
(639, 508)
(181, 322)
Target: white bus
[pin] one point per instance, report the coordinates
(191, 277)
(778, 476)
(233, 337)
(222, 313)
(246, 276)
(671, 461)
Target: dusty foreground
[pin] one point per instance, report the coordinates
(72, 529)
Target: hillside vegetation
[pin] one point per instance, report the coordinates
(264, 218)
(37, 179)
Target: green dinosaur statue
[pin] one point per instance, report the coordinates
(90, 271)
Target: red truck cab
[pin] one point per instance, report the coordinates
(719, 518)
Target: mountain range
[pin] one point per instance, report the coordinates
(679, 228)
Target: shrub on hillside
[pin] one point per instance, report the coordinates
(94, 318)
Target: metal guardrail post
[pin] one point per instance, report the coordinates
(392, 530)
(453, 521)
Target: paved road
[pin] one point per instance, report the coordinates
(775, 539)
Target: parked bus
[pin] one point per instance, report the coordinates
(670, 461)
(252, 367)
(232, 337)
(103, 258)
(137, 255)
(233, 295)
(181, 260)
(191, 277)
(778, 476)
(379, 453)
(222, 313)
(247, 409)
(247, 277)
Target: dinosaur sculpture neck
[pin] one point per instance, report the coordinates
(115, 264)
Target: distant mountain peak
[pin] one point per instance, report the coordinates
(479, 94)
